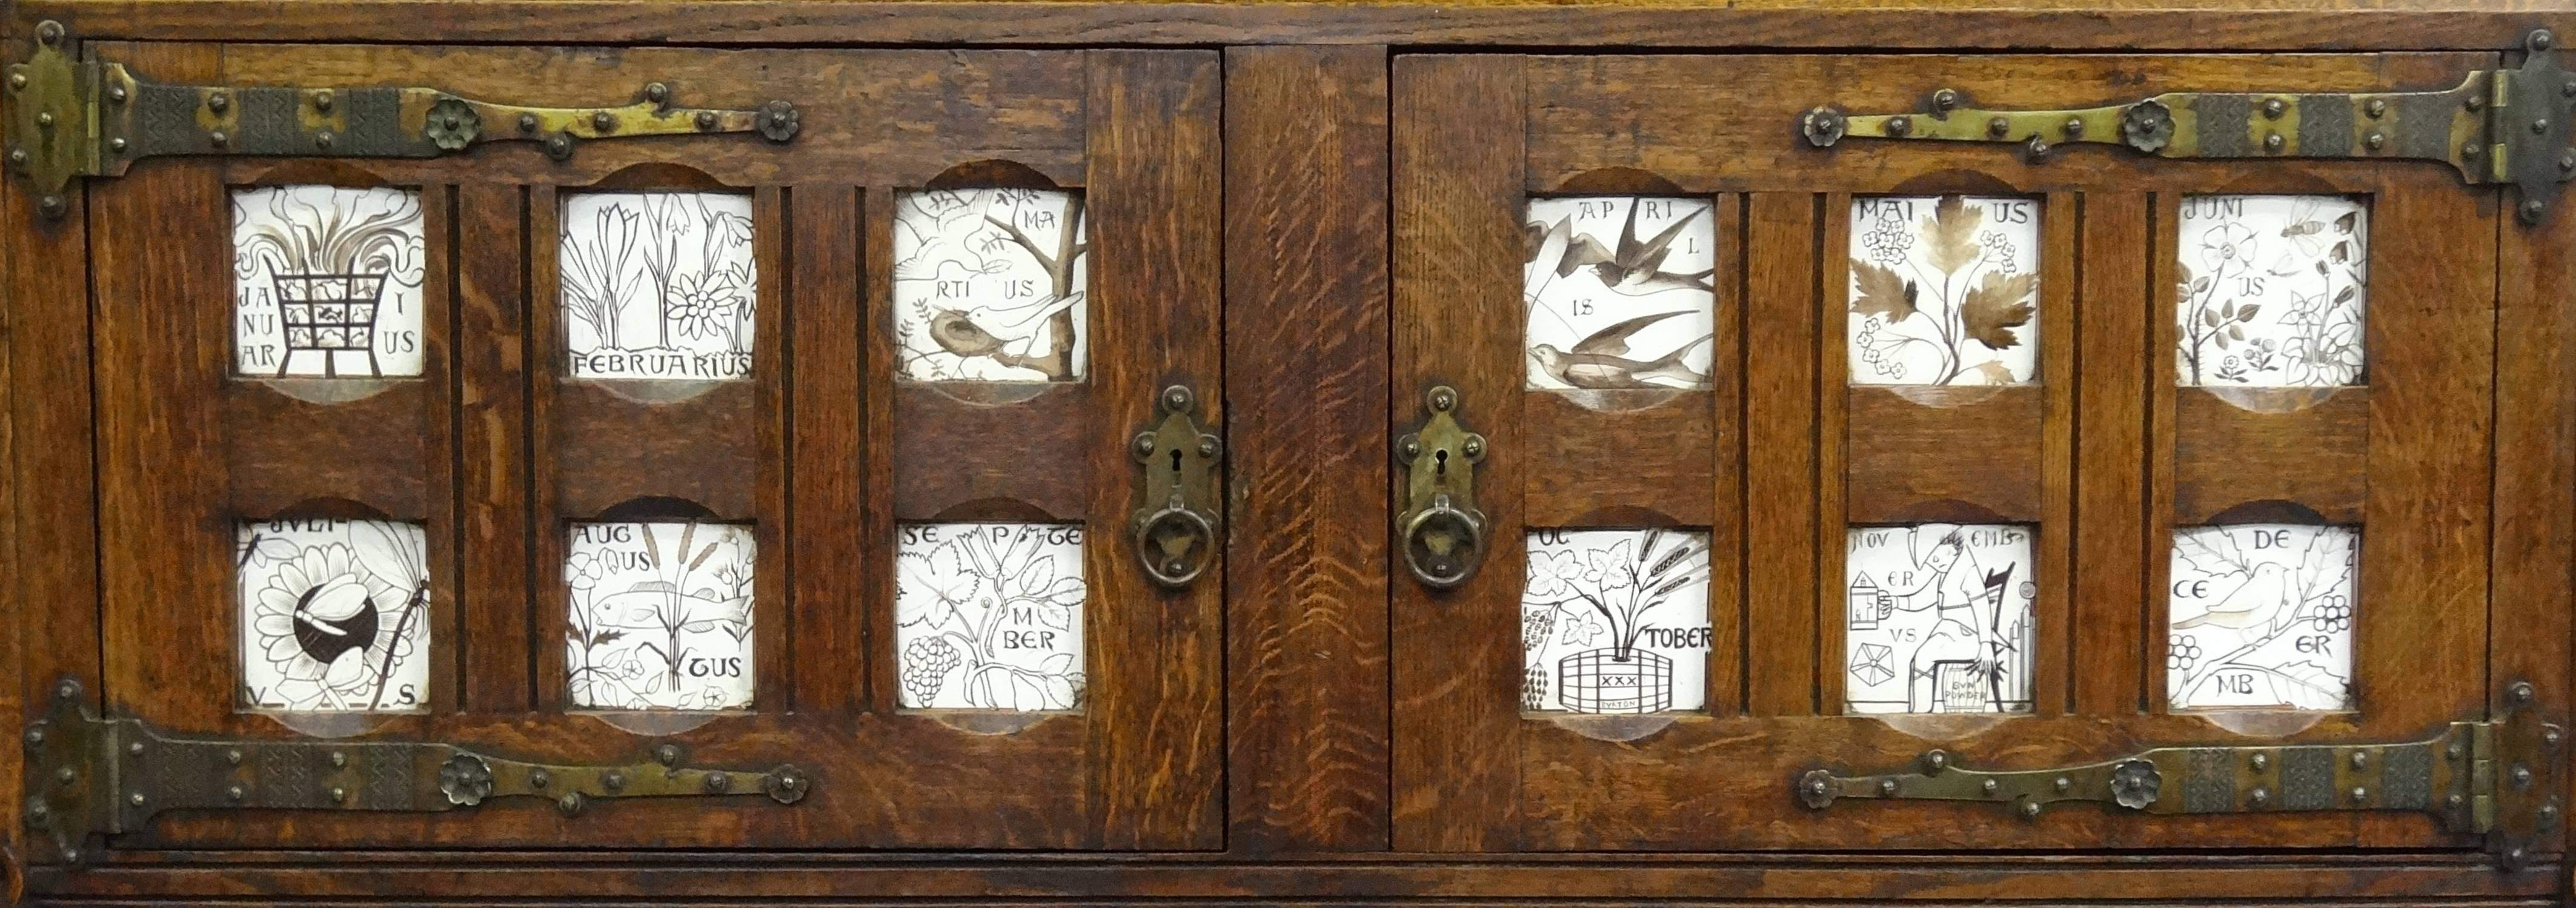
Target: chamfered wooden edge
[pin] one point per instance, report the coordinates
(2060, 24)
(1306, 637)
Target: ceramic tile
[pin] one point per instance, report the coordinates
(1938, 619)
(2272, 290)
(326, 282)
(1615, 621)
(1620, 292)
(2262, 616)
(1944, 290)
(989, 616)
(660, 615)
(989, 285)
(658, 285)
(334, 615)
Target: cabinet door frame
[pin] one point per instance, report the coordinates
(1136, 129)
(1476, 135)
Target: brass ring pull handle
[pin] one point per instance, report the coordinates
(1441, 531)
(1175, 523)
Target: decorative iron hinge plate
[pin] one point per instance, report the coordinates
(2499, 126)
(2499, 779)
(70, 117)
(87, 775)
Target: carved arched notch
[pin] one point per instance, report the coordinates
(661, 601)
(335, 613)
(2261, 609)
(991, 276)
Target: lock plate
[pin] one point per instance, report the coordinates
(1175, 522)
(88, 775)
(1441, 530)
(70, 117)
(2506, 126)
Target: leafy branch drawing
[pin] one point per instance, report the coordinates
(965, 590)
(664, 605)
(2272, 600)
(331, 231)
(1619, 584)
(2323, 339)
(1975, 293)
(957, 236)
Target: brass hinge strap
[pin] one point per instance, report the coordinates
(2496, 779)
(90, 775)
(2500, 126)
(71, 118)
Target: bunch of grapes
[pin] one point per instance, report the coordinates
(926, 664)
(1535, 626)
(2180, 653)
(1534, 689)
(2334, 613)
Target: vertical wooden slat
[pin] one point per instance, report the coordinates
(438, 448)
(824, 367)
(1781, 482)
(492, 373)
(1306, 172)
(1726, 530)
(2156, 543)
(1832, 347)
(1459, 177)
(2529, 621)
(2115, 346)
(1154, 189)
(166, 532)
(878, 667)
(2054, 546)
(773, 663)
(15, 609)
(545, 365)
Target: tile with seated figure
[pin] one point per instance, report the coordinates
(1939, 619)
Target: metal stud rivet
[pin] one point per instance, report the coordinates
(2259, 797)
(559, 147)
(1443, 398)
(2469, 149)
(2360, 760)
(612, 780)
(322, 139)
(2542, 39)
(116, 94)
(218, 101)
(1145, 444)
(2259, 762)
(602, 121)
(45, 119)
(2551, 735)
(2374, 140)
(2521, 776)
(538, 778)
(1991, 786)
(667, 754)
(2029, 810)
(2273, 142)
(322, 100)
(339, 759)
(35, 736)
(2063, 784)
(18, 156)
(1474, 446)
(2375, 108)
(134, 750)
(219, 138)
(2521, 692)
(2273, 108)
(1999, 127)
(2455, 751)
(2548, 814)
(718, 782)
(66, 776)
(2360, 795)
(2539, 125)
(233, 757)
(1945, 99)
(54, 205)
(657, 92)
(116, 145)
(67, 690)
(2532, 209)
(570, 804)
(1936, 761)
(135, 799)
(1886, 787)
(18, 80)
(1207, 447)
(2074, 127)
(339, 795)
(49, 31)
(527, 122)
(1899, 125)
(2476, 102)
(235, 794)
(2454, 801)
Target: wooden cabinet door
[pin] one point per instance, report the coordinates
(673, 454)
(1855, 466)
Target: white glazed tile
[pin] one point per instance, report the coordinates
(1938, 619)
(989, 285)
(1944, 290)
(1615, 621)
(2262, 616)
(326, 282)
(660, 615)
(1620, 292)
(989, 616)
(334, 615)
(2272, 290)
(657, 285)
